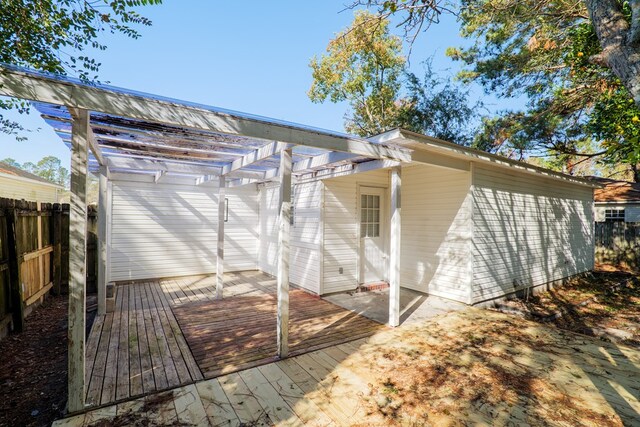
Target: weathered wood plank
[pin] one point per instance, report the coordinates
(135, 373)
(94, 391)
(276, 408)
(189, 408)
(123, 377)
(246, 405)
(146, 367)
(77, 261)
(216, 404)
(111, 367)
(308, 412)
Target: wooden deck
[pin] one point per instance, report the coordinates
(172, 332)
(527, 374)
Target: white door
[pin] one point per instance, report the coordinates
(372, 235)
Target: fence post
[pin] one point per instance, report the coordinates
(15, 282)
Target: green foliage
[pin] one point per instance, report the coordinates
(363, 66)
(577, 109)
(438, 107)
(49, 168)
(53, 36)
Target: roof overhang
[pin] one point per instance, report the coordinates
(422, 145)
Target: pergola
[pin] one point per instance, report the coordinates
(114, 130)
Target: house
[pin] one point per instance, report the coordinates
(18, 184)
(475, 227)
(188, 189)
(616, 201)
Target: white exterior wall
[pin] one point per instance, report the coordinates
(165, 230)
(341, 228)
(527, 230)
(32, 191)
(306, 233)
(436, 231)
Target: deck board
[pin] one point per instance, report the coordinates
(233, 334)
(169, 333)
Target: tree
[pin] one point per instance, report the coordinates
(616, 24)
(579, 111)
(363, 66)
(11, 162)
(438, 107)
(53, 36)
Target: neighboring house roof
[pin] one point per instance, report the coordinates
(22, 175)
(616, 191)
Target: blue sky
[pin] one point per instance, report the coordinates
(251, 56)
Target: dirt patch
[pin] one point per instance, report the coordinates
(489, 369)
(33, 367)
(593, 304)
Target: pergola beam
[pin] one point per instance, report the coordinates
(91, 138)
(117, 162)
(315, 162)
(256, 155)
(25, 84)
(158, 176)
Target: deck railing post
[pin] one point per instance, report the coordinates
(220, 252)
(394, 243)
(77, 260)
(283, 252)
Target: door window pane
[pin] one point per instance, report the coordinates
(369, 215)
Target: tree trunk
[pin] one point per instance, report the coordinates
(635, 170)
(619, 43)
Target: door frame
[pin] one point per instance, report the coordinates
(384, 229)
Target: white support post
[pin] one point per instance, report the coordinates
(103, 212)
(77, 262)
(283, 252)
(394, 253)
(220, 252)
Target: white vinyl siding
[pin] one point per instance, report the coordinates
(341, 228)
(165, 230)
(436, 231)
(527, 230)
(306, 234)
(30, 191)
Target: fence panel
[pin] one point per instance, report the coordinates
(618, 243)
(34, 256)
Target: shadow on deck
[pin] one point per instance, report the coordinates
(171, 332)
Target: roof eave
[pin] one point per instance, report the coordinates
(396, 136)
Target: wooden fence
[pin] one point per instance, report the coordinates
(618, 243)
(34, 256)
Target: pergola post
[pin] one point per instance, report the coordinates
(77, 261)
(283, 252)
(220, 251)
(394, 253)
(104, 207)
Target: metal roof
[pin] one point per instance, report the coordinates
(144, 133)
